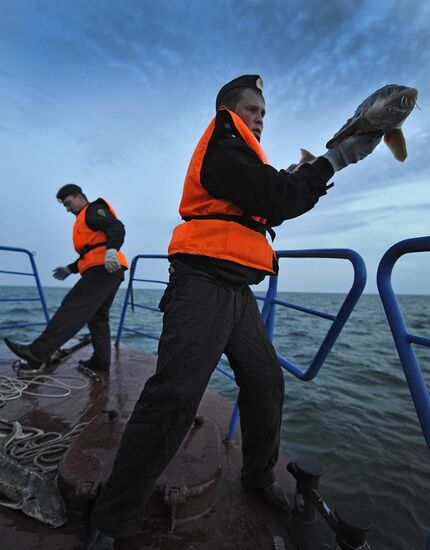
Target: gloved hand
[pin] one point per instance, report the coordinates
(352, 150)
(111, 260)
(61, 272)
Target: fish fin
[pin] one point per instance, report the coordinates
(348, 129)
(395, 141)
(307, 156)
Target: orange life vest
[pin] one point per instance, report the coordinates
(91, 245)
(220, 238)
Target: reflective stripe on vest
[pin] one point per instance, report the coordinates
(90, 244)
(219, 238)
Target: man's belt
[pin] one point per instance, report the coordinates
(243, 220)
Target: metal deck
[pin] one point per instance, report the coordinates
(236, 521)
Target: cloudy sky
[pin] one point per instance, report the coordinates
(113, 95)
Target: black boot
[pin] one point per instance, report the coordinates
(274, 495)
(94, 364)
(23, 351)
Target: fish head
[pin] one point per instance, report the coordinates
(45, 504)
(389, 106)
(383, 111)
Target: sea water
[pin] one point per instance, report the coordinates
(356, 416)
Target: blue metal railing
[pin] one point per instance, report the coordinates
(34, 273)
(128, 300)
(338, 320)
(402, 337)
(268, 311)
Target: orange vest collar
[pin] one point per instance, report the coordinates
(248, 136)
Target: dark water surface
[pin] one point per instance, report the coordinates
(356, 417)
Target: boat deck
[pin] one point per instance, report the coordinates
(237, 521)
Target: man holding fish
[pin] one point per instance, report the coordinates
(231, 200)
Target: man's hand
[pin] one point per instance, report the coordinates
(61, 272)
(352, 150)
(111, 260)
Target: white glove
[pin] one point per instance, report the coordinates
(111, 260)
(352, 150)
(61, 272)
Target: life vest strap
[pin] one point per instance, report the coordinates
(89, 247)
(247, 222)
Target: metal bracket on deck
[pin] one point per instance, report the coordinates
(347, 523)
(175, 492)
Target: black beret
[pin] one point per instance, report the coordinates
(253, 81)
(69, 189)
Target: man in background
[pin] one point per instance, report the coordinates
(97, 237)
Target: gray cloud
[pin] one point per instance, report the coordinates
(116, 94)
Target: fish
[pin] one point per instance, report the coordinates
(383, 111)
(306, 156)
(27, 490)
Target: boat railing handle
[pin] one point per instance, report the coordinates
(33, 273)
(338, 320)
(129, 297)
(402, 337)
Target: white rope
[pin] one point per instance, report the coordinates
(14, 388)
(32, 447)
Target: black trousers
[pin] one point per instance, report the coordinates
(88, 302)
(202, 319)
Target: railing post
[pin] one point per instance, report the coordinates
(268, 310)
(126, 300)
(402, 339)
(39, 288)
(34, 274)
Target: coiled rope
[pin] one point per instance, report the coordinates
(36, 449)
(32, 447)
